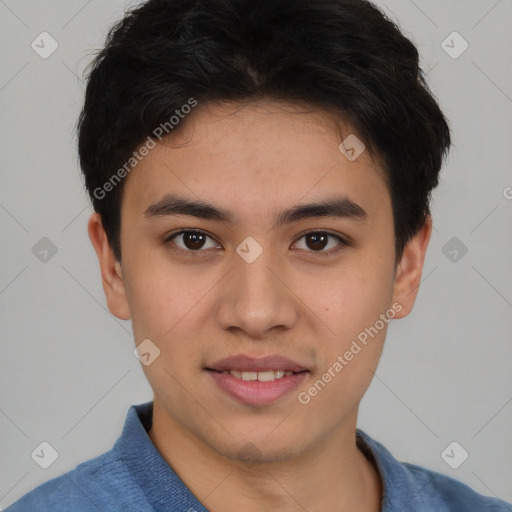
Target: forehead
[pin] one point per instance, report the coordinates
(256, 158)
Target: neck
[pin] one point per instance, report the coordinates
(334, 475)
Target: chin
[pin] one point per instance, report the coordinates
(259, 449)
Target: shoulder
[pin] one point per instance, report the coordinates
(102, 483)
(417, 489)
(450, 495)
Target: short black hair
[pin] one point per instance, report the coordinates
(342, 56)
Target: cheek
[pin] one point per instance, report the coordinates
(351, 299)
(352, 306)
(349, 359)
(157, 298)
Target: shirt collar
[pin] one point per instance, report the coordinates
(165, 490)
(402, 490)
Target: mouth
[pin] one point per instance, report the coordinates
(257, 381)
(264, 376)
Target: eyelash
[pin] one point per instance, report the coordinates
(315, 254)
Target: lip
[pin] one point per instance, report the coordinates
(254, 392)
(250, 364)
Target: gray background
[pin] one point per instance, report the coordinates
(68, 374)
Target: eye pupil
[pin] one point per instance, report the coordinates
(193, 240)
(316, 241)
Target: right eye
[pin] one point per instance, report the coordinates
(191, 240)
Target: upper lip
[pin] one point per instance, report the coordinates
(245, 363)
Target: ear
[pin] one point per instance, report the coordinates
(111, 271)
(408, 272)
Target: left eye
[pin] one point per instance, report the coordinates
(317, 241)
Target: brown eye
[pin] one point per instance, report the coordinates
(192, 241)
(318, 241)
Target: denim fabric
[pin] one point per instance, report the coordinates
(133, 476)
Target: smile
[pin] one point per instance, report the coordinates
(265, 376)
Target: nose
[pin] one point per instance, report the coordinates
(256, 298)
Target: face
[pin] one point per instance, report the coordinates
(252, 271)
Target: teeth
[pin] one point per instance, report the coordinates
(261, 376)
(266, 376)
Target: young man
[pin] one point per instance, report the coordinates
(260, 172)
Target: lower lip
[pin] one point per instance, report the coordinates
(254, 392)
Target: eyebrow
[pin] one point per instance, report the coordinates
(338, 207)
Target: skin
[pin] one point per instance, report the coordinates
(255, 161)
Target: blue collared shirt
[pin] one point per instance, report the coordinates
(133, 476)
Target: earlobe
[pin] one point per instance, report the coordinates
(111, 270)
(408, 272)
